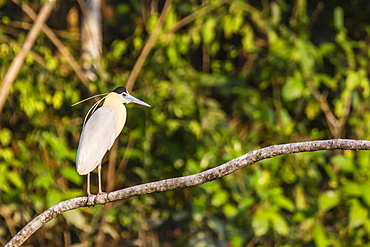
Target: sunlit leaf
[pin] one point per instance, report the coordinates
(279, 224)
(357, 214)
(75, 218)
(328, 200)
(260, 223)
(320, 236)
(5, 136)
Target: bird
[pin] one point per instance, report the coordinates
(101, 130)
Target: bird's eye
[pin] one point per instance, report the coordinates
(124, 94)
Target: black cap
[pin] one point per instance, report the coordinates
(120, 90)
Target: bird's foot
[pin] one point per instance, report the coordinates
(101, 193)
(90, 199)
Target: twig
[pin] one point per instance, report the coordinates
(8, 220)
(112, 181)
(187, 181)
(17, 62)
(186, 20)
(333, 123)
(315, 14)
(148, 46)
(58, 44)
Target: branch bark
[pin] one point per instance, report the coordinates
(187, 181)
(17, 62)
(91, 37)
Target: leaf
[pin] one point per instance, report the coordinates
(300, 198)
(365, 193)
(279, 224)
(320, 237)
(15, 179)
(172, 54)
(208, 31)
(328, 200)
(219, 198)
(344, 163)
(357, 214)
(260, 223)
(75, 218)
(353, 80)
(230, 210)
(53, 197)
(352, 189)
(57, 99)
(293, 88)
(338, 18)
(71, 174)
(5, 136)
(284, 202)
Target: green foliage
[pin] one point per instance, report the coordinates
(240, 76)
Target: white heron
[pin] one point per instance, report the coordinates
(100, 131)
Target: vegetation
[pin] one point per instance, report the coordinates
(240, 76)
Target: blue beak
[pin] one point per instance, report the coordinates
(130, 98)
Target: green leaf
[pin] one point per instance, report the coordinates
(279, 224)
(219, 198)
(284, 202)
(338, 18)
(293, 88)
(71, 174)
(5, 136)
(230, 210)
(352, 189)
(353, 80)
(344, 163)
(53, 197)
(357, 214)
(320, 237)
(208, 31)
(328, 200)
(260, 223)
(365, 193)
(15, 179)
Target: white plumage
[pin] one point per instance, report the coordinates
(97, 138)
(100, 131)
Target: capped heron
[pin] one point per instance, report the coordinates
(100, 131)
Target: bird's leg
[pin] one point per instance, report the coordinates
(99, 179)
(88, 185)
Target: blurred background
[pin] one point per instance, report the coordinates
(223, 78)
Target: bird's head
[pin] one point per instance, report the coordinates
(127, 98)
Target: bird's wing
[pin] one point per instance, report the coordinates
(96, 139)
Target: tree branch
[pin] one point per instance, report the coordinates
(148, 46)
(58, 44)
(187, 181)
(17, 62)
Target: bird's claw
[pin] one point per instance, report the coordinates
(101, 193)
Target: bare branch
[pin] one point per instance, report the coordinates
(187, 181)
(58, 44)
(17, 62)
(91, 37)
(148, 46)
(333, 123)
(203, 11)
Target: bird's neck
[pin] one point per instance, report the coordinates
(114, 101)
